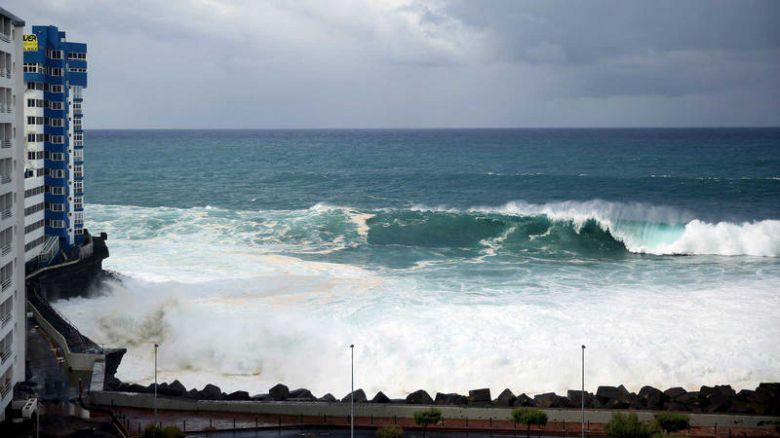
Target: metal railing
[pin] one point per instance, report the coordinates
(6, 249)
(5, 389)
(3, 357)
(5, 319)
(5, 37)
(5, 144)
(5, 284)
(5, 179)
(7, 213)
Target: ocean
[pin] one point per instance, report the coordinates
(452, 259)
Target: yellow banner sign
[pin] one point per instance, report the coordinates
(30, 42)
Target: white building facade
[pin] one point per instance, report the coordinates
(12, 196)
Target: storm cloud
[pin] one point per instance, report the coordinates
(423, 63)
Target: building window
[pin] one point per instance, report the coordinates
(77, 70)
(32, 244)
(56, 173)
(78, 203)
(56, 88)
(55, 190)
(58, 106)
(34, 226)
(6, 273)
(78, 155)
(55, 71)
(33, 68)
(77, 55)
(34, 209)
(57, 123)
(54, 54)
(56, 207)
(78, 171)
(78, 186)
(57, 139)
(34, 191)
(55, 223)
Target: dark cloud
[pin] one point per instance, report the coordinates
(423, 63)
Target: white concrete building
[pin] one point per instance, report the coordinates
(12, 145)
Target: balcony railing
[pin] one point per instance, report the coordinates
(5, 37)
(5, 319)
(6, 249)
(7, 213)
(5, 179)
(5, 144)
(5, 284)
(3, 357)
(5, 389)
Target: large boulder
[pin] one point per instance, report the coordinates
(360, 397)
(479, 396)
(451, 399)
(653, 397)
(716, 398)
(613, 397)
(550, 400)
(301, 394)
(279, 392)
(380, 397)
(329, 398)
(238, 395)
(211, 392)
(673, 393)
(523, 400)
(177, 388)
(768, 396)
(419, 397)
(506, 398)
(575, 397)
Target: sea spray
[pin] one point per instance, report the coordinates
(242, 299)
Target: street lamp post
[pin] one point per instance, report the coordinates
(352, 393)
(582, 394)
(155, 386)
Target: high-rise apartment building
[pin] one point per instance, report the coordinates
(12, 260)
(55, 72)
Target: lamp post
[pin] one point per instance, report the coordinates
(352, 393)
(582, 394)
(155, 388)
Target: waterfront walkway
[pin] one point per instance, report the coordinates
(245, 424)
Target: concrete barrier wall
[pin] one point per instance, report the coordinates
(146, 401)
(76, 361)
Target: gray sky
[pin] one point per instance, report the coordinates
(423, 63)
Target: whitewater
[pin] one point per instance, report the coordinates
(452, 259)
(247, 299)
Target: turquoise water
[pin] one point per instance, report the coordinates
(452, 258)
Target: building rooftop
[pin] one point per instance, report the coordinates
(14, 19)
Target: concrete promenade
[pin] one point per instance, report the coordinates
(135, 410)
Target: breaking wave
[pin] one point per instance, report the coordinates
(579, 228)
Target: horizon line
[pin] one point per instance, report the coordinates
(438, 128)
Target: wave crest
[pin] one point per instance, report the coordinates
(587, 228)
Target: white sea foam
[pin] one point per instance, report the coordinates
(651, 229)
(227, 310)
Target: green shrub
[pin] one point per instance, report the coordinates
(629, 426)
(153, 431)
(529, 416)
(427, 417)
(672, 421)
(390, 431)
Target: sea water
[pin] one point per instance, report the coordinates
(452, 259)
